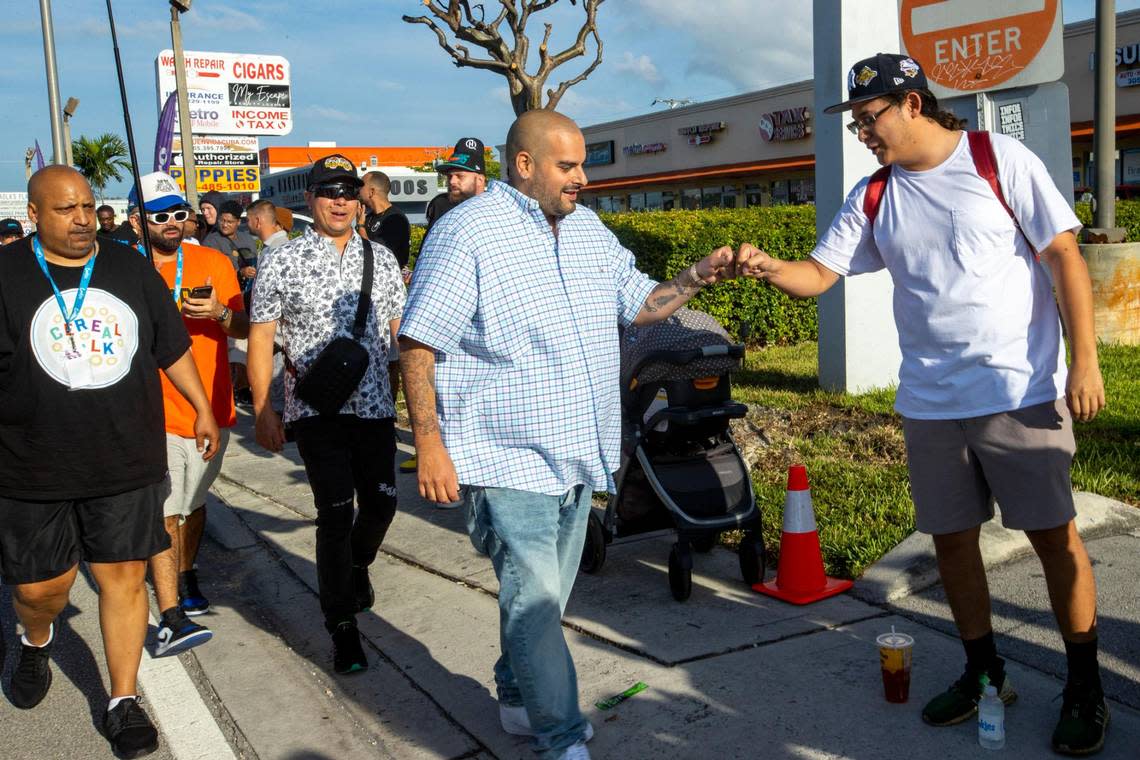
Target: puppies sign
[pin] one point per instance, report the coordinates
(971, 46)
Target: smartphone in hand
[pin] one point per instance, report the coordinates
(202, 291)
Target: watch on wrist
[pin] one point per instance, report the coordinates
(224, 315)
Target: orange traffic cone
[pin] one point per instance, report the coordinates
(799, 576)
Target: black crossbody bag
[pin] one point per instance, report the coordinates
(336, 372)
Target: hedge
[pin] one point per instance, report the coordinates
(1127, 216)
(665, 242)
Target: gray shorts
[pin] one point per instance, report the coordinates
(190, 477)
(1021, 459)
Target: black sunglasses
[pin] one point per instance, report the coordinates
(162, 217)
(332, 192)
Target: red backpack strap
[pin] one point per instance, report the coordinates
(985, 162)
(873, 198)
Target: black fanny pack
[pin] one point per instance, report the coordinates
(336, 372)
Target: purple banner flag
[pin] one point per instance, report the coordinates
(39, 157)
(164, 140)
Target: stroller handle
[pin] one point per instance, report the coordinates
(733, 350)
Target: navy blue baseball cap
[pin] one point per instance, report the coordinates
(467, 157)
(878, 75)
(11, 227)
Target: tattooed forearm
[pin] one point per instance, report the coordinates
(417, 362)
(670, 296)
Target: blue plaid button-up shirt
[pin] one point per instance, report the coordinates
(525, 329)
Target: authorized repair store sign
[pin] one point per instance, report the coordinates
(231, 93)
(226, 163)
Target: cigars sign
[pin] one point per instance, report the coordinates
(789, 124)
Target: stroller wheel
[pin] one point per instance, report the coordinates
(704, 544)
(752, 559)
(680, 574)
(594, 550)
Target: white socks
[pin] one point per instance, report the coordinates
(116, 700)
(51, 635)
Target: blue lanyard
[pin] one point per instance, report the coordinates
(177, 292)
(80, 295)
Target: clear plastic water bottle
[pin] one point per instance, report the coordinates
(991, 719)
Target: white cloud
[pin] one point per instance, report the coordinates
(220, 18)
(330, 114)
(749, 44)
(640, 66)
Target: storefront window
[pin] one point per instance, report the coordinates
(691, 198)
(653, 202)
(711, 197)
(780, 192)
(637, 202)
(753, 195)
(668, 200)
(801, 191)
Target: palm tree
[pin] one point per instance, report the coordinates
(101, 160)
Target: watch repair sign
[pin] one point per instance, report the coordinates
(971, 46)
(231, 93)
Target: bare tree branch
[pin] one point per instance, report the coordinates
(509, 48)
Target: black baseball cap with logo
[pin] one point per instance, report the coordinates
(467, 157)
(334, 169)
(878, 75)
(11, 227)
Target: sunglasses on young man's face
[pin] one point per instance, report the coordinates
(162, 217)
(332, 192)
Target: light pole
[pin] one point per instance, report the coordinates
(189, 170)
(52, 82)
(1104, 107)
(68, 112)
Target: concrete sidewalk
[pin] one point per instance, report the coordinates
(731, 673)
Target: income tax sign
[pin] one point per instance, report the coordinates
(231, 93)
(971, 46)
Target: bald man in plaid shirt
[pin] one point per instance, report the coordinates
(509, 347)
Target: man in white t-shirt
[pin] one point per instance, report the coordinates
(986, 401)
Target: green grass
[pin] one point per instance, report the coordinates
(853, 448)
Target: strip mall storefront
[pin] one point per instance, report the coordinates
(758, 148)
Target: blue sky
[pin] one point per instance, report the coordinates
(361, 76)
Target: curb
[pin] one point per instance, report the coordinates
(911, 566)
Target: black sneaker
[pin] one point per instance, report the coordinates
(1083, 723)
(960, 701)
(362, 588)
(191, 599)
(32, 677)
(129, 730)
(348, 656)
(177, 633)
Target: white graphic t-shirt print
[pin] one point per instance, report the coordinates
(106, 335)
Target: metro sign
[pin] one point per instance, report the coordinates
(971, 46)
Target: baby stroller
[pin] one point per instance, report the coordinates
(680, 469)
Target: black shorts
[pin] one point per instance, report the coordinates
(41, 540)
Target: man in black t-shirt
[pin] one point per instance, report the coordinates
(383, 222)
(85, 327)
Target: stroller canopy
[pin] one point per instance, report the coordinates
(686, 329)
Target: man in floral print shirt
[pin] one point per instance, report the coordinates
(309, 288)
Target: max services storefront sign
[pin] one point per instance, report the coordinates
(788, 124)
(645, 149)
(599, 153)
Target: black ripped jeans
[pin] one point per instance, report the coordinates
(346, 456)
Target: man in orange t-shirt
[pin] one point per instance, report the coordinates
(204, 285)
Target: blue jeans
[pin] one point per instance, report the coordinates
(535, 543)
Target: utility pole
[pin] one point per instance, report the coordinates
(58, 153)
(68, 112)
(189, 170)
(1104, 108)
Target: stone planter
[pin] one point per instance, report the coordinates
(1115, 273)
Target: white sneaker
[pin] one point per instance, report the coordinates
(576, 752)
(514, 721)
